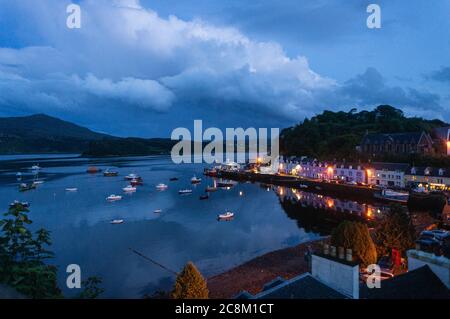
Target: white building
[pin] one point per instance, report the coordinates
(387, 174)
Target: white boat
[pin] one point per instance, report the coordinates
(185, 191)
(71, 189)
(161, 187)
(35, 167)
(132, 176)
(19, 175)
(38, 182)
(157, 211)
(129, 189)
(225, 216)
(113, 197)
(116, 221)
(195, 180)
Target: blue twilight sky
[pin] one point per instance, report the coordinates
(143, 68)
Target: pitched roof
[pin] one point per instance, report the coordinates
(433, 171)
(420, 283)
(397, 138)
(301, 287)
(390, 166)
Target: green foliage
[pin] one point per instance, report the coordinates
(22, 256)
(190, 284)
(333, 135)
(91, 288)
(395, 231)
(355, 236)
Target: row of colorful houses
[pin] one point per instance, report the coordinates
(382, 174)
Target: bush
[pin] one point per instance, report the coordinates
(355, 236)
(190, 284)
(395, 231)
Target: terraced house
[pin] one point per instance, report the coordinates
(430, 177)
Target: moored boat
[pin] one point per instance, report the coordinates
(110, 173)
(161, 187)
(203, 197)
(226, 216)
(35, 167)
(132, 176)
(25, 187)
(136, 182)
(116, 221)
(71, 189)
(210, 189)
(17, 203)
(226, 184)
(113, 198)
(129, 189)
(172, 179)
(195, 180)
(185, 191)
(210, 172)
(157, 211)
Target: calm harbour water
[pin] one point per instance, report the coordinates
(186, 230)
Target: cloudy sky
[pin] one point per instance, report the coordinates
(143, 68)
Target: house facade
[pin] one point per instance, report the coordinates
(387, 174)
(397, 143)
(430, 177)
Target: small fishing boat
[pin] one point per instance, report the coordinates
(210, 172)
(71, 189)
(210, 189)
(116, 221)
(25, 187)
(35, 167)
(109, 173)
(113, 198)
(157, 211)
(129, 189)
(136, 182)
(172, 179)
(203, 197)
(225, 216)
(392, 196)
(303, 186)
(17, 203)
(132, 176)
(226, 184)
(38, 182)
(161, 187)
(195, 180)
(18, 175)
(185, 191)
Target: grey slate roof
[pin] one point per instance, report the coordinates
(396, 138)
(391, 166)
(421, 283)
(301, 287)
(434, 171)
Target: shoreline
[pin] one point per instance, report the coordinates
(255, 273)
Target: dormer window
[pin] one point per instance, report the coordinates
(413, 171)
(427, 171)
(441, 172)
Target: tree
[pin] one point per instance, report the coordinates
(395, 231)
(91, 288)
(355, 236)
(190, 284)
(22, 256)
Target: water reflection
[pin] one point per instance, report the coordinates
(321, 213)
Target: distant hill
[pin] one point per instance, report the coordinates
(333, 135)
(41, 133)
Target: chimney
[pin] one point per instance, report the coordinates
(341, 274)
